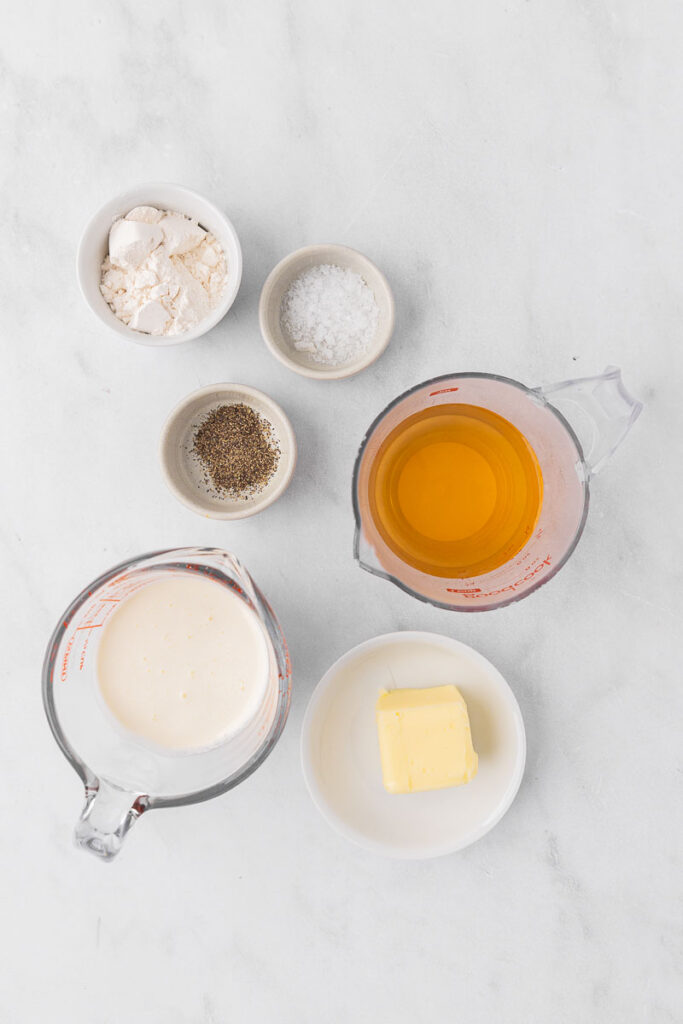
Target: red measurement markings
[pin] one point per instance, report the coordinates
(99, 608)
(511, 587)
(442, 391)
(84, 648)
(65, 659)
(96, 615)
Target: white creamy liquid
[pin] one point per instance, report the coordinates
(183, 663)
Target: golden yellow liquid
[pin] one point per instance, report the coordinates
(455, 491)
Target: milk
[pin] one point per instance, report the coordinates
(183, 663)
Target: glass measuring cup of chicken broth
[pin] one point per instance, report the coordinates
(471, 490)
(166, 682)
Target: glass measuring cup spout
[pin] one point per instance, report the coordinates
(572, 428)
(123, 776)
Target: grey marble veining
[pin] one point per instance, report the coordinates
(515, 169)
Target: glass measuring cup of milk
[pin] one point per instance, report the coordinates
(125, 776)
(571, 428)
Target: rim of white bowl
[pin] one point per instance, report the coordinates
(139, 337)
(258, 505)
(355, 835)
(330, 373)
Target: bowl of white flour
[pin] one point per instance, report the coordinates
(159, 264)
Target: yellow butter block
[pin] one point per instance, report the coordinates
(425, 740)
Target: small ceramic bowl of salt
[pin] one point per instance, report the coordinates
(326, 311)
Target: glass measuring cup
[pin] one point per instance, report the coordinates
(573, 428)
(124, 777)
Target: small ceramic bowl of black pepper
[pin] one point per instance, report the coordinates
(227, 451)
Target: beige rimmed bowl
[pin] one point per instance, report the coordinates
(183, 472)
(279, 280)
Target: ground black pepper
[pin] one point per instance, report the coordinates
(237, 449)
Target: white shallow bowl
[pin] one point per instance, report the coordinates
(182, 470)
(340, 750)
(94, 246)
(279, 280)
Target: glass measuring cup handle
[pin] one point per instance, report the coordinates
(108, 814)
(600, 411)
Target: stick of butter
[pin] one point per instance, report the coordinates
(425, 740)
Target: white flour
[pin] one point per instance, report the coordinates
(163, 273)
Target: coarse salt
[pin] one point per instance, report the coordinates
(331, 313)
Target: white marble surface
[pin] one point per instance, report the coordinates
(516, 171)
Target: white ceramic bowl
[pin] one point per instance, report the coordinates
(182, 471)
(340, 749)
(94, 246)
(279, 280)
